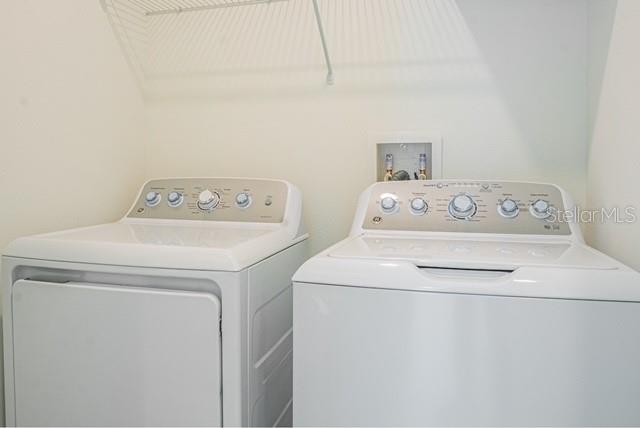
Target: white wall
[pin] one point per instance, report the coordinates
(600, 20)
(71, 119)
(615, 148)
(503, 82)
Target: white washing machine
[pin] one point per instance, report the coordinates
(177, 315)
(465, 303)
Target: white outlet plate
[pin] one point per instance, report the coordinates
(406, 148)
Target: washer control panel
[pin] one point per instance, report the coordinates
(216, 199)
(463, 206)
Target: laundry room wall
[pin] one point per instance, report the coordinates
(502, 82)
(615, 150)
(71, 119)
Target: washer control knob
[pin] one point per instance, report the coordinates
(462, 207)
(419, 206)
(208, 200)
(508, 208)
(175, 199)
(243, 200)
(152, 199)
(388, 204)
(540, 209)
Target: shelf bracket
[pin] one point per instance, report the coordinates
(325, 49)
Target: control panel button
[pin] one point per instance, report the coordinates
(540, 209)
(243, 200)
(208, 200)
(462, 207)
(152, 199)
(175, 199)
(419, 206)
(388, 204)
(508, 208)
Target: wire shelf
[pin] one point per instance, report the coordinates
(169, 38)
(189, 47)
(153, 7)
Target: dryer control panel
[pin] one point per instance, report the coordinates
(213, 199)
(468, 207)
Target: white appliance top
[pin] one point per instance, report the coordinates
(472, 237)
(221, 224)
(472, 254)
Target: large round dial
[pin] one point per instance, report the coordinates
(388, 204)
(508, 208)
(208, 200)
(175, 199)
(152, 199)
(243, 200)
(462, 206)
(419, 206)
(540, 209)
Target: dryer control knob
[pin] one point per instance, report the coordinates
(540, 209)
(388, 204)
(419, 206)
(508, 208)
(243, 200)
(152, 199)
(175, 199)
(208, 200)
(462, 207)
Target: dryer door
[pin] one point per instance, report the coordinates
(108, 355)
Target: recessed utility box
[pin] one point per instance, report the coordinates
(407, 156)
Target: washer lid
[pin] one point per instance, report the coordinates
(473, 254)
(220, 246)
(485, 267)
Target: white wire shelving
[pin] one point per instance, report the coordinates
(198, 49)
(154, 7)
(164, 38)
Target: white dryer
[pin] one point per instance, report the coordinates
(465, 303)
(177, 315)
